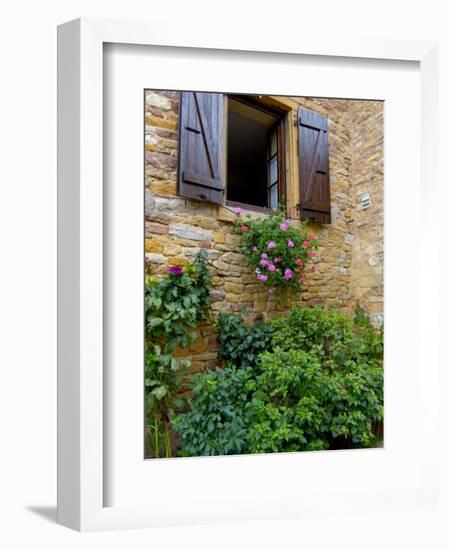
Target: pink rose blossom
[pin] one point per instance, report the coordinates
(262, 277)
(298, 261)
(271, 245)
(244, 228)
(306, 244)
(264, 256)
(238, 211)
(271, 267)
(309, 253)
(290, 244)
(288, 274)
(313, 269)
(311, 236)
(283, 227)
(301, 280)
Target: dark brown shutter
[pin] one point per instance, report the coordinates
(200, 174)
(314, 191)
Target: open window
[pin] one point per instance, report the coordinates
(232, 150)
(254, 167)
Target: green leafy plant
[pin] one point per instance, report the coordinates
(277, 249)
(301, 404)
(241, 343)
(321, 387)
(174, 305)
(216, 422)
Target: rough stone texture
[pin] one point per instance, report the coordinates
(368, 174)
(350, 259)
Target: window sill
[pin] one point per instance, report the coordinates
(226, 213)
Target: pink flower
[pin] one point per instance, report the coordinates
(311, 236)
(301, 280)
(298, 261)
(288, 274)
(238, 211)
(254, 248)
(309, 253)
(271, 267)
(264, 256)
(175, 270)
(306, 244)
(277, 260)
(244, 228)
(264, 262)
(262, 277)
(270, 290)
(271, 245)
(313, 269)
(283, 226)
(290, 244)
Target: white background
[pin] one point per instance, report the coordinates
(28, 275)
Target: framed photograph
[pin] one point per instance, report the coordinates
(237, 234)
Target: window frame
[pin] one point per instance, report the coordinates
(263, 103)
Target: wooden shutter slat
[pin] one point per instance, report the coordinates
(204, 181)
(200, 171)
(314, 167)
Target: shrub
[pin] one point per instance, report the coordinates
(321, 387)
(216, 423)
(300, 404)
(331, 335)
(240, 343)
(174, 305)
(277, 249)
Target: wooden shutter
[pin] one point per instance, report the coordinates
(200, 173)
(314, 190)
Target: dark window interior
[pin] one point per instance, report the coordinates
(253, 169)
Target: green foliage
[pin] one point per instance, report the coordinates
(241, 343)
(277, 249)
(216, 423)
(320, 387)
(328, 334)
(174, 305)
(301, 404)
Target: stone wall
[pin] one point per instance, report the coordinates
(367, 180)
(349, 263)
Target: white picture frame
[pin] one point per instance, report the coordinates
(81, 386)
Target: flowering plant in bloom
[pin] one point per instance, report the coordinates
(278, 249)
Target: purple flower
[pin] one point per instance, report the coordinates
(277, 260)
(283, 226)
(290, 244)
(271, 245)
(264, 256)
(288, 274)
(270, 290)
(262, 277)
(238, 211)
(271, 267)
(175, 270)
(264, 262)
(254, 248)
